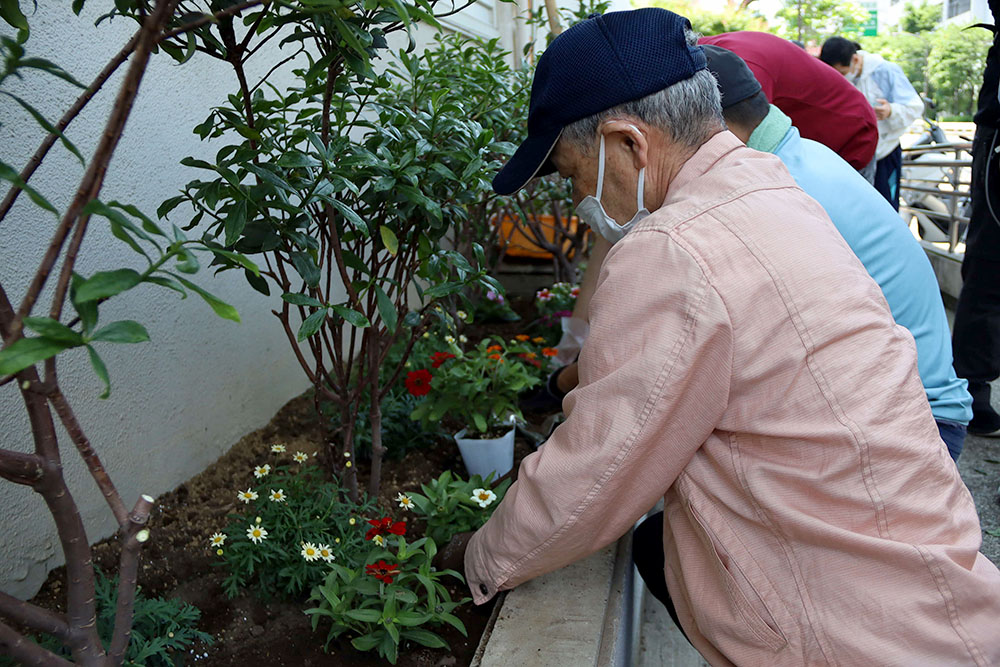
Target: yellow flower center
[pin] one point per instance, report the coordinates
(484, 496)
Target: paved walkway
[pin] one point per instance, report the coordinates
(662, 645)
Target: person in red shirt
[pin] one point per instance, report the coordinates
(810, 92)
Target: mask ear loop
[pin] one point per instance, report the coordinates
(640, 203)
(600, 169)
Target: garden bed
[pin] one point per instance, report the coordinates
(177, 561)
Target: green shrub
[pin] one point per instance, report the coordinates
(294, 507)
(163, 629)
(387, 600)
(450, 505)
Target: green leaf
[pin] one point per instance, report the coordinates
(41, 120)
(312, 324)
(101, 370)
(27, 351)
(123, 331)
(351, 316)
(407, 596)
(301, 300)
(364, 615)
(411, 618)
(239, 258)
(349, 214)
(454, 622)
(221, 308)
(479, 420)
(425, 637)
(389, 239)
(186, 261)
(167, 281)
(106, 283)
(11, 13)
(443, 289)
(386, 309)
(51, 329)
(257, 283)
(7, 173)
(367, 642)
(306, 268)
(87, 311)
(236, 220)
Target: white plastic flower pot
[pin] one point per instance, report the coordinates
(483, 457)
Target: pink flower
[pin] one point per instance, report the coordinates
(543, 295)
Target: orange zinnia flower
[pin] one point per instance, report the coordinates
(537, 339)
(550, 351)
(496, 357)
(523, 337)
(494, 348)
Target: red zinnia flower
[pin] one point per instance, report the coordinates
(382, 571)
(496, 357)
(418, 383)
(439, 358)
(385, 526)
(550, 351)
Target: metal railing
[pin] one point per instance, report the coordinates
(934, 190)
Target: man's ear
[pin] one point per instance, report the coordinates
(627, 136)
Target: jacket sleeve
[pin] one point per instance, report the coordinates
(906, 103)
(654, 382)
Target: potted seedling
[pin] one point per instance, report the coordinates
(478, 389)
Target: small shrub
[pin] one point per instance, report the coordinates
(451, 505)
(478, 387)
(163, 629)
(292, 507)
(390, 599)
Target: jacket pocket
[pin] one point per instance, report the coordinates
(744, 598)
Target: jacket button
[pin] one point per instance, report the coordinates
(483, 589)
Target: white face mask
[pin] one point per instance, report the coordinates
(592, 212)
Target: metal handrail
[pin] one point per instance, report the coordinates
(951, 188)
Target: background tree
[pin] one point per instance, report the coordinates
(955, 66)
(920, 17)
(812, 21)
(731, 18)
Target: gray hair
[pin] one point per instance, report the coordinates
(689, 111)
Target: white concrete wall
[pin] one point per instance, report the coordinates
(181, 400)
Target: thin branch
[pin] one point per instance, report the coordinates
(66, 119)
(27, 652)
(33, 616)
(132, 539)
(20, 468)
(89, 456)
(211, 18)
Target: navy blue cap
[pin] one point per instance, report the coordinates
(736, 81)
(598, 64)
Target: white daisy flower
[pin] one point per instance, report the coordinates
(404, 501)
(427, 334)
(310, 552)
(449, 339)
(484, 497)
(300, 457)
(462, 314)
(379, 540)
(217, 540)
(325, 553)
(463, 339)
(247, 496)
(277, 496)
(256, 533)
(277, 449)
(262, 471)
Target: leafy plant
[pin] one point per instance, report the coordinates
(451, 505)
(394, 597)
(478, 387)
(295, 507)
(162, 628)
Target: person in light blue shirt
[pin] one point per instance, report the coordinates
(871, 227)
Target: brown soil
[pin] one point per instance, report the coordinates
(248, 632)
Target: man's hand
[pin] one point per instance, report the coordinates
(882, 109)
(452, 556)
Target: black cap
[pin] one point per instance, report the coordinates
(598, 64)
(736, 81)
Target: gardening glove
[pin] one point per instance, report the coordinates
(547, 398)
(575, 330)
(452, 556)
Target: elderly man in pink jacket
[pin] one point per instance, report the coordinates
(743, 367)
